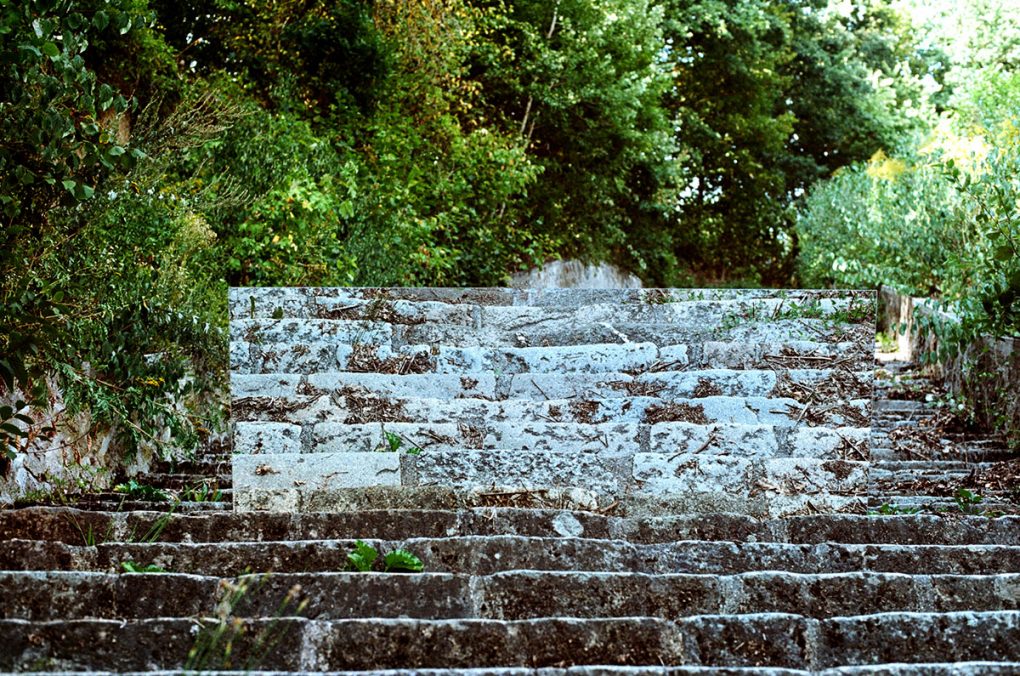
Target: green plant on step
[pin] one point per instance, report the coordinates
(218, 642)
(889, 509)
(139, 491)
(132, 567)
(365, 556)
(968, 501)
(203, 492)
(394, 443)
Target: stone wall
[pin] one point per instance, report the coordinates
(986, 373)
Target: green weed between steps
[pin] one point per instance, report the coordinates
(394, 443)
(218, 639)
(365, 556)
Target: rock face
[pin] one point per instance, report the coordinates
(756, 402)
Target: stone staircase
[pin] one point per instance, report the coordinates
(639, 574)
(663, 400)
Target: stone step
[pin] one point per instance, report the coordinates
(720, 640)
(608, 440)
(917, 475)
(324, 356)
(509, 595)
(65, 524)
(757, 320)
(488, 554)
(686, 480)
(407, 305)
(350, 406)
(798, 384)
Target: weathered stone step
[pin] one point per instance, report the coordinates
(912, 475)
(65, 524)
(323, 356)
(316, 645)
(796, 383)
(510, 595)
(571, 331)
(982, 453)
(611, 439)
(484, 555)
(352, 407)
(685, 480)
(415, 304)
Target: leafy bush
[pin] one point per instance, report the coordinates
(884, 222)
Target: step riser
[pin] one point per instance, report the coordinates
(612, 440)
(355, 408)
(71, 526)
(331, 356)
(503, 596)
(691, 481)
(768, 640)
(552, 386)
(489, 555)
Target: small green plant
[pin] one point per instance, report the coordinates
(132, 567)
(968, 501)
(202, 493)
(888, 509)
(401, 560)
(364, 557)
(394, 443)
(214, 646)
(137, 491)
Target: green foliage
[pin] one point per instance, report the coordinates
(138, 491)
(401, 560)
(364, 557)
(879, 223)
(13, 428)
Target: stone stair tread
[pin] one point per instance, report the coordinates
(675, 384)
(503, 595)
(318, 356)
(67, 525)
(618, 438)
(769, 639)
(486, 554)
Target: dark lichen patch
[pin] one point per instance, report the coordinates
(706, 388)
(364, 359)
(675, 412)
